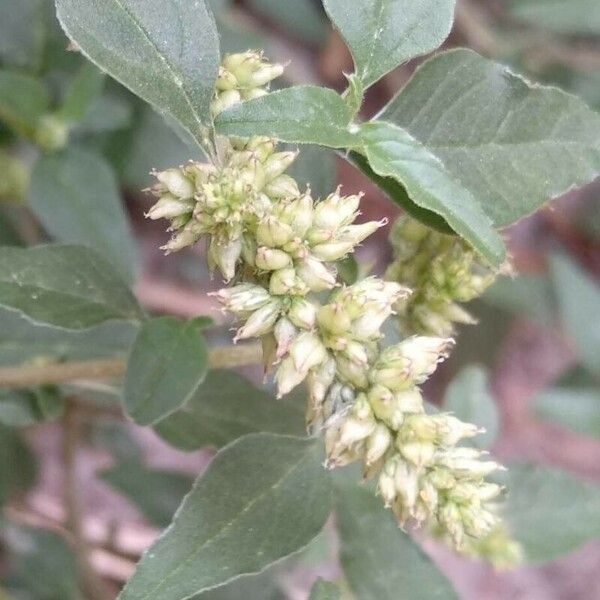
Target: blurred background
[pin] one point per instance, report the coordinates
(535, 353)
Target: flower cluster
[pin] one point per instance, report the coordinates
(280, 246)
(242, 76)
(442, 270)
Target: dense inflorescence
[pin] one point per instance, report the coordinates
(442, 270)
(278, 245)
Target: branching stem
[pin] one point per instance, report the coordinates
(113, 368)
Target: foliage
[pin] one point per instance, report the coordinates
(467, 147)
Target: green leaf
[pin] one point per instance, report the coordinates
(165, 51)
(107, 113)
(300, 18)
(76, 197)
(157, 493)
(85, 88)
(305, 114)
(225, 407)
(23, 100)
(396, 193)
(526, 295)
(512, 144)
(42, 565)
(18, 468)
(22, 341)
(578, 297)
(468, 397)
(168, 362)
(64, 286)
(379, 560)
(255, 587)
(577, 409)
(22, 33)
(325, 590)
(262, 498)
(155, 146)
(21, 408)
(575, 16)
(393, 152)
(550, 512)
(383, 34)
(315, 167)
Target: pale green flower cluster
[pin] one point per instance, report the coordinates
(241, 77)
(442, 270)
(280, 246)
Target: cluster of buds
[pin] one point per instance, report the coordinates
(442, 270)
(424, 476)
(241, 77)
(223, 203)
(281, 247)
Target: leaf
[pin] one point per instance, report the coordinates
(383, 34)
(393, 152)
(64, 286)
(550, 512)
(578, 297)
(155, 146)
(22, 341)
(22, 33)
(573, 17)
(168, 362)
(165, 51)
(157, 493)
(304, 114)
(315, 167)
(21, 408)
(256, 587)
(107, 113)
(325, 590)
(577, 409)
(42, 564)
(396, 193)
(76, 197)
(301, 19)
(85, 88)
(224, 408)
(18, 468)
(526, 295)
(262, 498)
(23, 100)
(512, 144)
(379, 560)
(468, 397)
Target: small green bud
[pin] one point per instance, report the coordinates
(270, 259)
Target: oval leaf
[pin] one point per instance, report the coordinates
(305, 114)
(468, 397)
(379, 560)
(165, 51)
(64, 286)
(393, 152)
(575, 16)
(578, 297)
(514, 145)
(168, 362)
(383, 34)
(23, 100)
(157, 493)
(224, 408)
(550, 512)
(262, 498)
(76, 197)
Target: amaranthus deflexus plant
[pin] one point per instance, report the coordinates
(278, 245)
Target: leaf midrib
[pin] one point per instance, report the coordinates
(223, 528)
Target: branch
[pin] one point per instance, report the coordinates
(92, 585)
(113, 368)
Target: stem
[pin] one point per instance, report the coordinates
(112, 368)
(92, 585)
